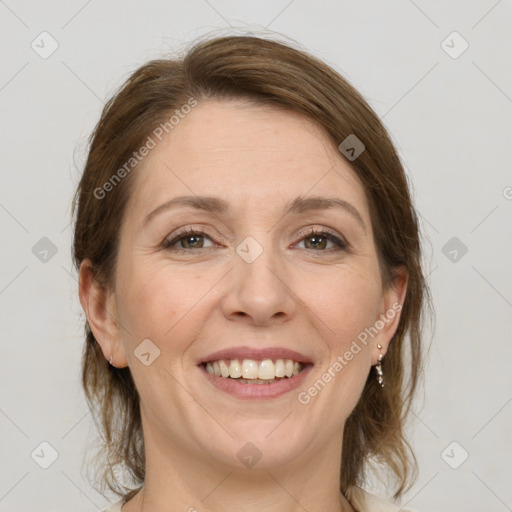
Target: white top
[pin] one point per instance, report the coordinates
(362, 501)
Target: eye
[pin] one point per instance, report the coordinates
(188, 239)
(319, 239)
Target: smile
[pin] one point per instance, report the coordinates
(248, 385)
(251, 371)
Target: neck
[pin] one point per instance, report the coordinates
(192, 483)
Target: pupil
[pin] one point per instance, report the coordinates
(315, 240)
(193, 238)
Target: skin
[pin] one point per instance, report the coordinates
(307, 297)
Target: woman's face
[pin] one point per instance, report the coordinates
(256, 284)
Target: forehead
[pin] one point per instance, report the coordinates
(248, 154)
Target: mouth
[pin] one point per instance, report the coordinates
(254, 373)
(251, 371)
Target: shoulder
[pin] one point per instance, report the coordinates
(363, 501)
(116, 507)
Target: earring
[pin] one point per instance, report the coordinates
(378, 368)
(110, 362)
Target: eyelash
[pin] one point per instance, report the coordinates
(322, 233)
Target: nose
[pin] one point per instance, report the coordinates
(259, 292)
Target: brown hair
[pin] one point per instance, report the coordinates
(278, 75)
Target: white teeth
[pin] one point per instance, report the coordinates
(235, 369)
(224, 370)
(249, 369)
(288, 367)
(280, 371)
(266, 370)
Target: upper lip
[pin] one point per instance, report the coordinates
(257, 354)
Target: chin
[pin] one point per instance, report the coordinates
(259, 445)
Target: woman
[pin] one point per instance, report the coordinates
(247, 251)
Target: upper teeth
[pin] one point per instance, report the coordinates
(251, 369)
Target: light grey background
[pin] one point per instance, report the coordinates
(451, 120)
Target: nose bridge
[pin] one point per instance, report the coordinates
(258, 288)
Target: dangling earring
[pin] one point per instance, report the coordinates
(378, 368)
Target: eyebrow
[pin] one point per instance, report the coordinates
(219, 206)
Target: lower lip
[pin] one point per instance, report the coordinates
(257, 391)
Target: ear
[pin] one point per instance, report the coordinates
(386, 324)
(99, 305)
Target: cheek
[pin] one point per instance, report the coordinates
(344, 301)
(158, 303)
(344, 304)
